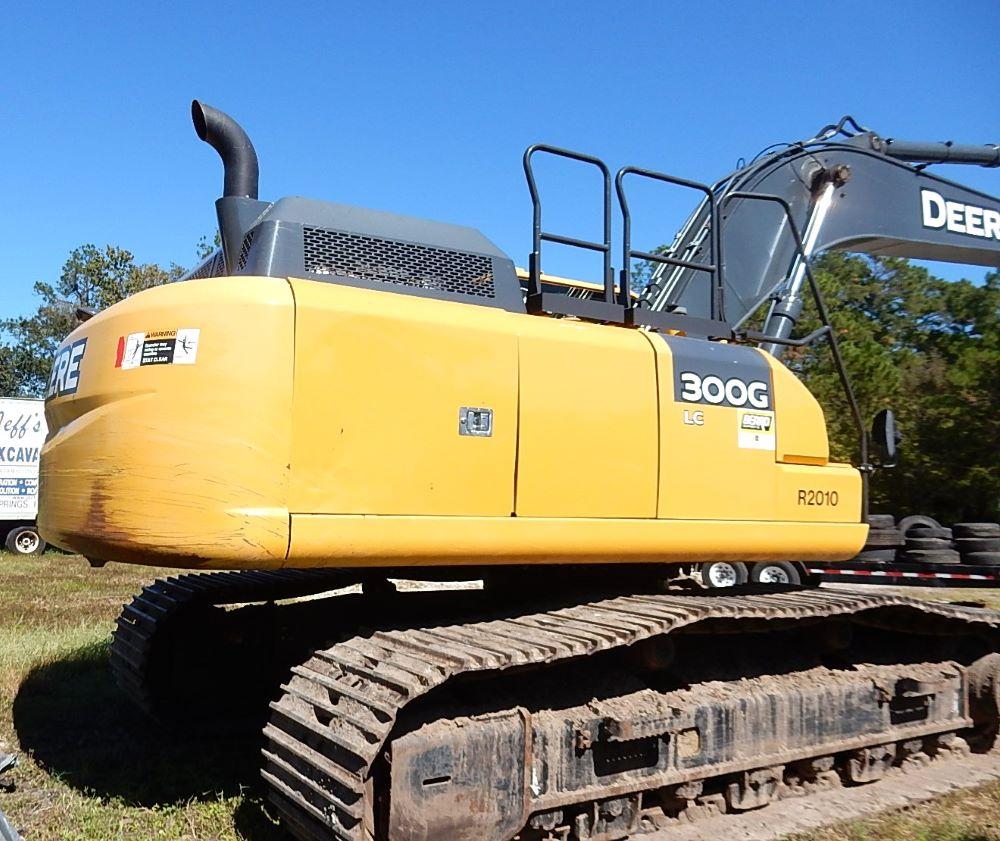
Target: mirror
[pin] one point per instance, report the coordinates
(885, 437)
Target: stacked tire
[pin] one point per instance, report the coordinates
(927, 544)
(923, 540)
(884, 538)
(978, 543)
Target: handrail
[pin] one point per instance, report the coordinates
(539, 235)
(714, 267)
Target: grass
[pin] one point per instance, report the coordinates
(93, 769)
(971, 815)
(971, 596)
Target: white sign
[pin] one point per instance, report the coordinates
(756, 430)
(22, 433)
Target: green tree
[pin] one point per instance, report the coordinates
(930, 350)
(208, 246)
(91, 278)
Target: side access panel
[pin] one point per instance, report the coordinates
(709, 467)
(380, 384)
(742, 439)
(587, 445)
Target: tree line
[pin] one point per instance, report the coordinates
(925, 347)
(93, 279)
(929, 349)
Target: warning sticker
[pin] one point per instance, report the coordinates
(159, 347)
(756, 430)
(186, 346)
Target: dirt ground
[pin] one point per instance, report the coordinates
(948, 801)
(92, 769)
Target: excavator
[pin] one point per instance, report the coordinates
(343, 404)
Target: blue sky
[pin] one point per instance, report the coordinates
(425, 108)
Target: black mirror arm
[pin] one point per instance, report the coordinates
(757, 337)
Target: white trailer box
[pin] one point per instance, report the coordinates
(22, 433)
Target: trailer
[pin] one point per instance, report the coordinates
(22, 433)
(905, 575)
(722, 574)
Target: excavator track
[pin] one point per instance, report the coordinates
(141, 640)
(355, 749)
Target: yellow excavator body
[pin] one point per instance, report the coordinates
(339, 398)
(261, 422)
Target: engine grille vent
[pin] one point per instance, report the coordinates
(214, 266)
(404, 264)
(245, 251)
(204, 270)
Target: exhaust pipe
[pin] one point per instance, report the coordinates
(228, 138)
(238, 209)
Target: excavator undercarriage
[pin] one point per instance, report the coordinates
(475, 714)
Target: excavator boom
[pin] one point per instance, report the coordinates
(856, 193)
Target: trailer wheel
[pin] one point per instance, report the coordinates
(25, 540)
(721, 574)
(775, 572)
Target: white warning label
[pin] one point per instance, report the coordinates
(756, 430)
(158, 347)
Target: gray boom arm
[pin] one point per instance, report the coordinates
(860, 194)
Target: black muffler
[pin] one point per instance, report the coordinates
(227, 137)
(238, 208)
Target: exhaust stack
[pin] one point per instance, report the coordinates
(238, 208)
(227, 137)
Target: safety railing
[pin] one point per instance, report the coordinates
(713, 326)
(619, 305)
(607, 310)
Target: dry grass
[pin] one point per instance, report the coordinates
(972, 815)
(980, 597)
(93, 769)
